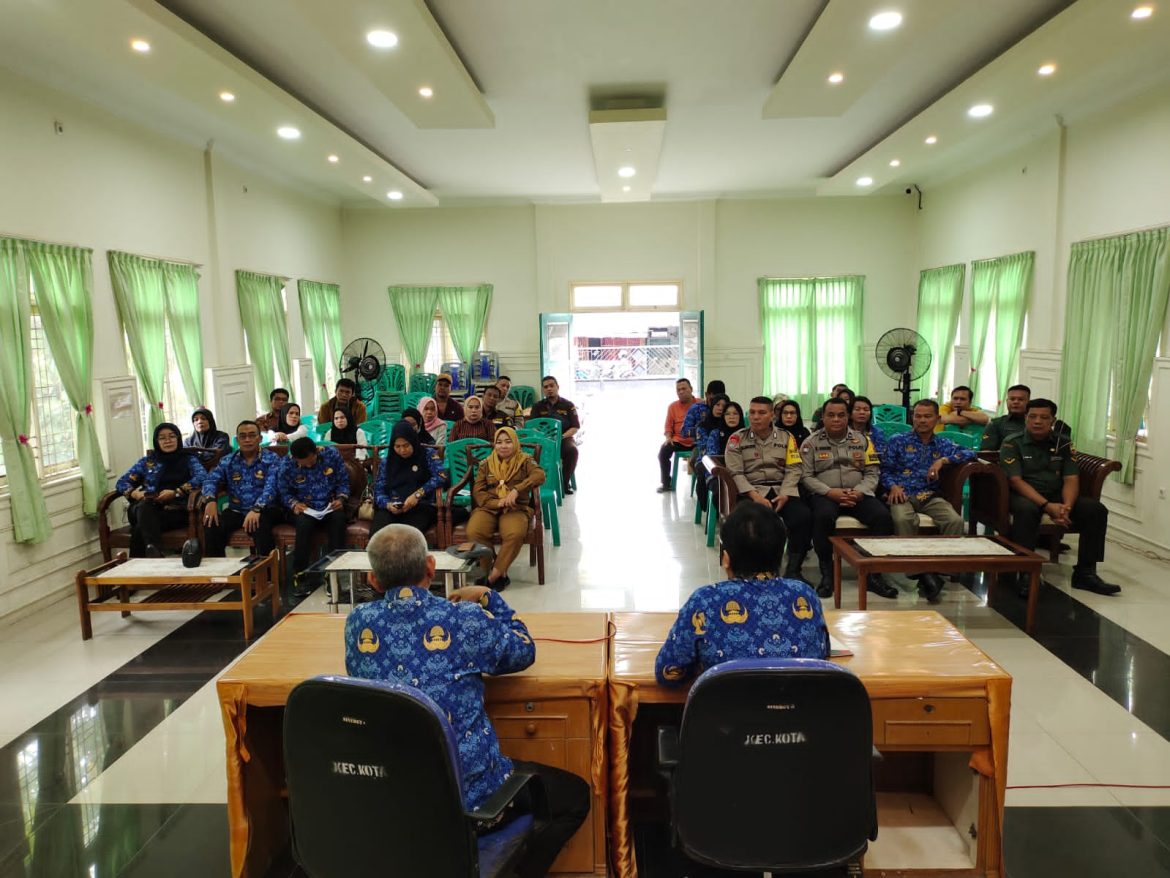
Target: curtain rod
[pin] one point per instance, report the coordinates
(1003, 256)
(38, 241)
(1121, 234)
(328, 283)
(169, 259)
(266, 274)
(424, 286)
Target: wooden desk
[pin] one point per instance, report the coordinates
(931, 690)
(554, 712)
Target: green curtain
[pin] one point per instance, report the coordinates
(1118, 289)
(262, 314)
(414, 311)
(316, 314)
(940, 299)
(139, 293)
(181, 282)
(1002, 286)
(812, 336)
(333, 323)
(30, 518)
(982, 307)
(465, 311)
(63, 277)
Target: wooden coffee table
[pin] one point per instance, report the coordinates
(176, 587)
(935, 554)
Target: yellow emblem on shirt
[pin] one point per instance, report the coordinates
(524, 637)
(405, 592)
(733, 614)
(368, 641)
(801, 608)
(673, 672)
(699, 620)
(436, 639)
(328, 470)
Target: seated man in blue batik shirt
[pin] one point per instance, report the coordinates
(753, 613)
(911, 463)
(313, 479)
(249, 478)
(444, 647)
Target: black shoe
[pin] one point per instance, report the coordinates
(302, 588)
(500, 584)
(880, 587)
(566, 491)
(930, 586)
(152, 551)
(1094, 583)
(664, 489)
(792, 571)
(825, 586)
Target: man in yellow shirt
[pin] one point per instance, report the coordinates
(960, 411)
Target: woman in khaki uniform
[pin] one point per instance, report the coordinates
(503, 502)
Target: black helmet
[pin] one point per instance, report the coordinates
(192, 553)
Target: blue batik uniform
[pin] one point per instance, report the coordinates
(249, 485)
(383, 495)
(743, 618)
(691, 428)
(145, 474)
(316, 486)
(906, 459)
(416, 638)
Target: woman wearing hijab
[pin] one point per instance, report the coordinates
(407, 480)
(472, 425)
(709, 422)
(206, 437)
(343, 432)
(432, 423)
(788, 418)
(288, 426)
(158, 487)
(502, 503)
(731, 422)
(414, 416)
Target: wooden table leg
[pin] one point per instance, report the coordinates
(862, 586)
(1033, 599)
(272, 565)
(836, 580)
(83, 606)
(124, 597)
(247, 577)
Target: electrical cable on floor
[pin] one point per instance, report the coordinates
(1056, 786)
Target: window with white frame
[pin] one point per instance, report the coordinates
(442, 348)
(176, 406)
(631, 296)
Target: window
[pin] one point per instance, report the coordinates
(441, 349)
(176, 407)
(625, 297)
(52, 437)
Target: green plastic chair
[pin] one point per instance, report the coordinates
(888, 412)
(423, 382)
(524, 395)
(549, 452)
(393, 377)
(377, 431)
(963, 438)
(412, 398)
(551, 428)
(456, 460)
(892, 428)
(388, 405)
(318, 431)
(309, 421)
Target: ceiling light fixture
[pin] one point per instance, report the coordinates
(895, 163)
(865, 181)
(227, 97)
(382, 39)
(367, 179)
(625, 189)
(836, 78)
(394, 195)
(288, 132)
(931, 141)
(426, 91)
(333, 159)
(1142, 12)
(140, 46)
(980, 111)
(1046, 69)
(626, 171)
(885, 21)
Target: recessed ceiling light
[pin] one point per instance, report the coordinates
(426, 91)
(1141, 12)
(382, 39)
(980, 111)
(865, 181)
(227, 97)
(1046, 69)
(288, 132)
(333, 159)
(367, 179)
(836, 78)
(143, 46)
(931, 141)
(626, 171)
(885, 21)
(895, 163)
(394, 195)
(625, 189)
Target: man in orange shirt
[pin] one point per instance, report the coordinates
(673, 438)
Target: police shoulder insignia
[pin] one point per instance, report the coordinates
(734, 439)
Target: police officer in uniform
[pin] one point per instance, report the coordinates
(556, 406)
(249, 477)
(1041, 466)
(765, 464)
(313, 479)
(840, 472)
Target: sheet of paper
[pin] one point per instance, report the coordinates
(928, 546)
(360, 561)
(317, 513)
(837, 649)
(209, 568)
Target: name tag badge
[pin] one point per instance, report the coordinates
(236, 477)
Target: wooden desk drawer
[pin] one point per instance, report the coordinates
(518, 728)
(931, 722)
(512, 718)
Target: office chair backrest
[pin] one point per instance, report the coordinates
(775, 767)
(373, 782)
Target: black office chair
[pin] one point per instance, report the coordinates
(373, 787)
(772, 770)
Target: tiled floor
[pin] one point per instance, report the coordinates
(111, 749)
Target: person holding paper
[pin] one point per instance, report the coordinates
(313, 486)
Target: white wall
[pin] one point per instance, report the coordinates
(109, 185)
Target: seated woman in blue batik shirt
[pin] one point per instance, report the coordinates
(753, 613)
(861, 420)
(710, 421)
(788, 418)
(407, 480)
(158, 487)
(288, 426)
(731, 422)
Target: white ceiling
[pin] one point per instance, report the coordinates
(515, 81)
